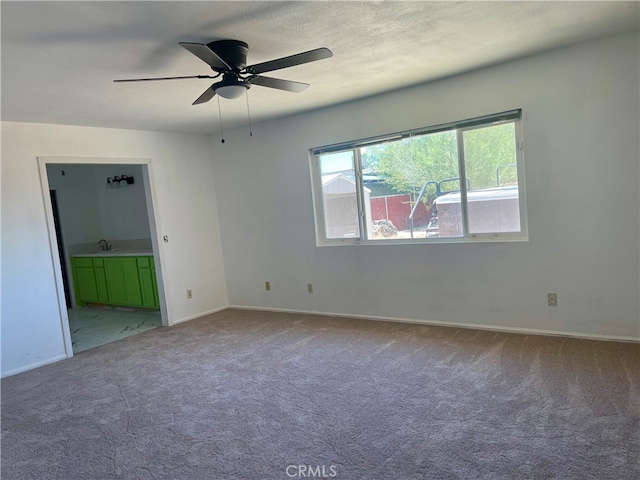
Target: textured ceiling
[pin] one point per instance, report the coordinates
(59, 58)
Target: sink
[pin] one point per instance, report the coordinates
(106, 252)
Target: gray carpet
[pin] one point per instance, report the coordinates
(247, 395)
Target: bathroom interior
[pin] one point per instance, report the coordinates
(104, 241)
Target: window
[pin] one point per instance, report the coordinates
(406, 187)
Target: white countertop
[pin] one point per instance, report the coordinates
(116, 252)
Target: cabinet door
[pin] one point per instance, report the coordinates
(101, 279)
(101, 285)
(147, 288)
(115, 281)
(156, 298)
(148, 285)
(131, 281)
(85, 282)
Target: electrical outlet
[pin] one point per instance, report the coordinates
(189, 294)
(309, 288)
(267, 286)
(552, 299)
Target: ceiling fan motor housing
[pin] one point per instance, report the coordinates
(234, 52)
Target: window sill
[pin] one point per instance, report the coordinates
(515, 238)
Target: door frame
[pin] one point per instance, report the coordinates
(150, 195)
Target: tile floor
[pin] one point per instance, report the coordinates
(94, 326)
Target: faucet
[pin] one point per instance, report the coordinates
(106, 245)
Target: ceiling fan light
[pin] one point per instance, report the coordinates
(231, 91)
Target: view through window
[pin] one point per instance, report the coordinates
(407, 187)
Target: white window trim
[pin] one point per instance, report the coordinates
(460, 127)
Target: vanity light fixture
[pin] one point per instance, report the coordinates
(119, 181)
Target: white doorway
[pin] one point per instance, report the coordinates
(61, 259)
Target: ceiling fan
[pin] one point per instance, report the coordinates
(228, 58)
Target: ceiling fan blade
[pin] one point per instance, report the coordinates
(286, 85)
(291, 61)
(205, 54)
(208, 94)
(163, 78)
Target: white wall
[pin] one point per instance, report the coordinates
(185, 210)
(78, 202)
(123, 210)
(89, 211)
(581, 123)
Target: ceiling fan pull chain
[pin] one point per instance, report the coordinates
(246, 93)
(220, 114)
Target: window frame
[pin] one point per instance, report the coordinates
(460, 127)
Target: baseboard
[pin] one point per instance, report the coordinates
(472, 326)
(199, 315)
(31, 366)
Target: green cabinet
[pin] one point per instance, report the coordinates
(148, 284)
(126, 281)
(89, 280)
(101, 280)
(122, 281)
